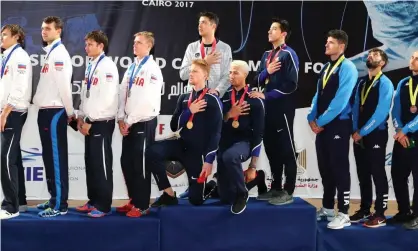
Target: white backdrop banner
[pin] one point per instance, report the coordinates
(308, 183)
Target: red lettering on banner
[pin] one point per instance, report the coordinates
(161, 128)
(45, 68)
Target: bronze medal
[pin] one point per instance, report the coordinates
(235, 124)
(189, 125)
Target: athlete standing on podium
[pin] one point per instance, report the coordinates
(373, 99)
(330, 119)
(15, 94)
(405, 149)
(96, 121)
(139, 106)
(278, 75)
(54, 98)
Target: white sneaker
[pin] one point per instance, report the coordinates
(340, 221)
(4, 215)
(323, 213)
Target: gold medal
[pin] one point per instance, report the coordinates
(189, 125)
(413, 109)
(235, 124)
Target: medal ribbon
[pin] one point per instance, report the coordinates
(325, 78)
(412, 96)
(132, 77)
(240, 100)
(53, 48)
(89, 78)
(4, 63)
(202, 48)
(189, 102)
(271, 53)
(363, 95)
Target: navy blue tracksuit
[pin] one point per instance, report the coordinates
(11, 162)
(52, 125)
(331, 110)
(279, 91)
(195, 146)
(370, 120)
(237, 145)
(404, 160)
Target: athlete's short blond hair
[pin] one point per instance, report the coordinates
(241, 65)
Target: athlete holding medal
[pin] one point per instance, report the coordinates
(330, 119)
(373, 99)
(405, 151)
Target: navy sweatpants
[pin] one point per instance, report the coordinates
(98, 157)
(280, 150)
(332, 149)
(404, 161)
(161, 152)
(229, 169)
(138, 180)
(370, 162)
(52, 124)
(11, 161)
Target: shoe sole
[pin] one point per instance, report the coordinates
(280, 204)
(375, 226)
(242, 209)
(340, 227)
(49, 216)
(10, 217)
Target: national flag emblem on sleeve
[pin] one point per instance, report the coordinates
(153, 78)
(109, 77)
(59, 65)
(21, 68)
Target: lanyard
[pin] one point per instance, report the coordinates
(189, 102)
(89, 78)
(271, 53)
(53, 47)
(202, 48)
(131, 79)
(241, 99)
(325, 77)
(4, 63)
(412, 96)
(364, 96)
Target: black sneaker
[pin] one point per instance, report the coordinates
(360, 215)
(412, 224)
(261, 184)
(400, 218)
(165, 200)
(210, 188)
(240, 204)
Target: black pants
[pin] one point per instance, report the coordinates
(280, 150)
(98, 157)
(52, 124)
(404, 161)
(174, 150)
(11, 161)
(230, 174)
(332, 148)
(141, 135)
(370, 162)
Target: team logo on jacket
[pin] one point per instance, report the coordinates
(174, 169)
(109, 77)
(21, 68)
(59, 65)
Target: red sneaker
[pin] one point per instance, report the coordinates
(136, 212)
(125, 208)
(86, 208)
(375, 221)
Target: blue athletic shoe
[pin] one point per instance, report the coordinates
(44, 205)
(185, 195)
(98, 214)
(49, 212)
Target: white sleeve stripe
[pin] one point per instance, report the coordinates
(256, 147)
(209, 153)
(262, 104)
